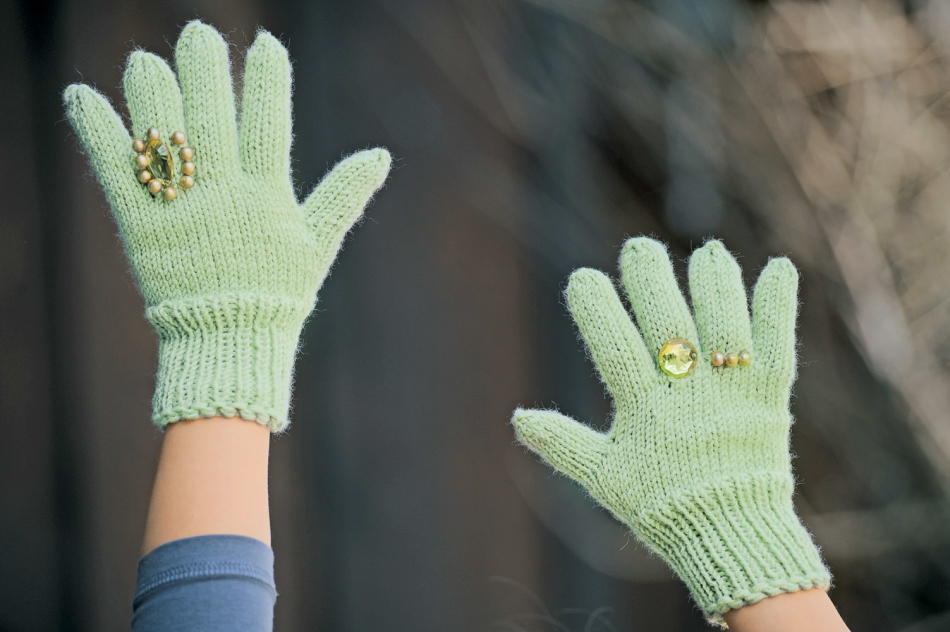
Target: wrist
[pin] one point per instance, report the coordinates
(211, 479)
(736, 542)
(802, 611)
(228, 355)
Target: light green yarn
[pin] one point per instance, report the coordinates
(698, 467)
(231, 268)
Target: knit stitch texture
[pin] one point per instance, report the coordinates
(698, 467)
(230, 269)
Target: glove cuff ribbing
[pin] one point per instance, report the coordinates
(229, 355)
(736, 543)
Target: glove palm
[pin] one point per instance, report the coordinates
(230, 268)
(697, 467)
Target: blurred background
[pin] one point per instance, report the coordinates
(532, 137)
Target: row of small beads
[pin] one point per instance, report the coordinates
(678, 358)
(743, 358)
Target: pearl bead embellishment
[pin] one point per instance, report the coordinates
(718, 359)
(156, 164)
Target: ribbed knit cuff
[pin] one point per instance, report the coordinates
(228, 355)
(736, 543)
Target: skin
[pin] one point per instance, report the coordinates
(212, 479)
(789, 612)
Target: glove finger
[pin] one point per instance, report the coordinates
(719, 300)
(339, 200)
(774, 312)
(152, 93)
(205, 75)
(570, 447)
(655, 295)
(614, 342)
(109, 146)
(265, 112)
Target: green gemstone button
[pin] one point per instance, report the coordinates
(678, 358)
(160, 161)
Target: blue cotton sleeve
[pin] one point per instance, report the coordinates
(211, 583)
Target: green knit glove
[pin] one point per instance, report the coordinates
(231, 268)
(698, 467)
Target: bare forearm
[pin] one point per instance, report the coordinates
(803, 611)
(212, 479)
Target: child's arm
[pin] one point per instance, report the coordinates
(207, 564)
(803, 611)
(229, 265)
(212, 479)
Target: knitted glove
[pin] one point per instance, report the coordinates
(698, 467)
(230, 269)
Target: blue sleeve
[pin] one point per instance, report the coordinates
(211, 583)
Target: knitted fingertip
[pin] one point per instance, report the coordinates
(589, 295)
(72, 94)
(340, 198)
(569, 446)
(712, 254)
(199, 35)
(265, 43)
(521, 421)
(152, 94)
(84, 110)
(107, 142)
(202, 49)
(266, 120)
(93, 117)
(655, 296)
(367, 170)
(532, 428)
(585, 289)
(204, 72)
(774, 318)
(374, 165)
(69, 92)
(719, 300)
(782, 270)
(583, 277)
(616, 347)
(644, 250)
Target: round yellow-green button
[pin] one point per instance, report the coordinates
(678, 358)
